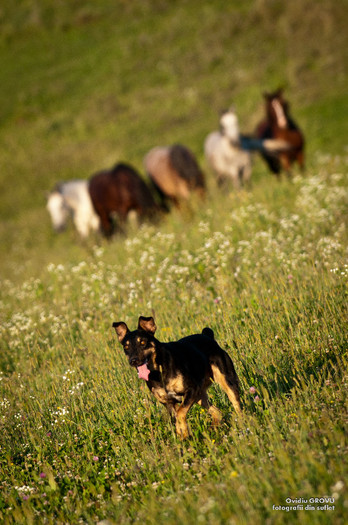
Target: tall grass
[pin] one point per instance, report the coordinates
(80, 431)
(82, 440)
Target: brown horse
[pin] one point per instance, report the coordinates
(117, 192)
(174, 173)
(279, 125)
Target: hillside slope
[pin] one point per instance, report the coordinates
(82, 440)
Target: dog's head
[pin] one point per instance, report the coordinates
(138, 345)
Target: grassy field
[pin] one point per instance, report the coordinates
(85, 85)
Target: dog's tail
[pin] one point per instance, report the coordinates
(208, 332)
(225, 375)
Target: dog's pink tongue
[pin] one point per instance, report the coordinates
(143, 372)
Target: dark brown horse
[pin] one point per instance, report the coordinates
(117, 192)
(279, 125)
(174, 173)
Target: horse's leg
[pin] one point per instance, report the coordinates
(106, 223)
(247, 175)
(121, 219)
(176, 202)
(133, 217)
(81, 224)
(285, 162)
(236, 179)
(221, 181)
(94, 222)
(300, 160)
(236, 171)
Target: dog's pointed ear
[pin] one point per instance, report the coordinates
(147, 324)
(121, 330)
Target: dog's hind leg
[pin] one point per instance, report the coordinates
(228, 384)
(213, 411)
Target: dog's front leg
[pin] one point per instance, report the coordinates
(182, 429)
(171, 410)
(181, 423)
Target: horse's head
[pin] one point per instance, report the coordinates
(58, 210)
(277, 108)
(229, 125)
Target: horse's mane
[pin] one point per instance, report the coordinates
(122, 166)
(286, 108)
(57, 188)
(183, 161)
(69, 188)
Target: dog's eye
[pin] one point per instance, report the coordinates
(143, 342)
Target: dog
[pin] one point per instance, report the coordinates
(179, 373)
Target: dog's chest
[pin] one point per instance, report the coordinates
(169, 389)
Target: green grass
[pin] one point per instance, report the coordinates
(81, 439)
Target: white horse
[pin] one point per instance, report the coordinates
(229, 153)
(72, 199)
(224, 153)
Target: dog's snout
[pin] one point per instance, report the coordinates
(133, 361)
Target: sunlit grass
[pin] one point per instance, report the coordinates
(81, 439)
(79, 430)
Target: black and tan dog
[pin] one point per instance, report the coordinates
(180, 372)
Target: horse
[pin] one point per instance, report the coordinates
(174, 174)
(224, 153)
(117, 192)
(279, 125)
(72, 199)
(229, 152)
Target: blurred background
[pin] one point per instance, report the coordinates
(86, 84)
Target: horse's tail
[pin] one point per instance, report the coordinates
(273, 162)
(185, 164)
